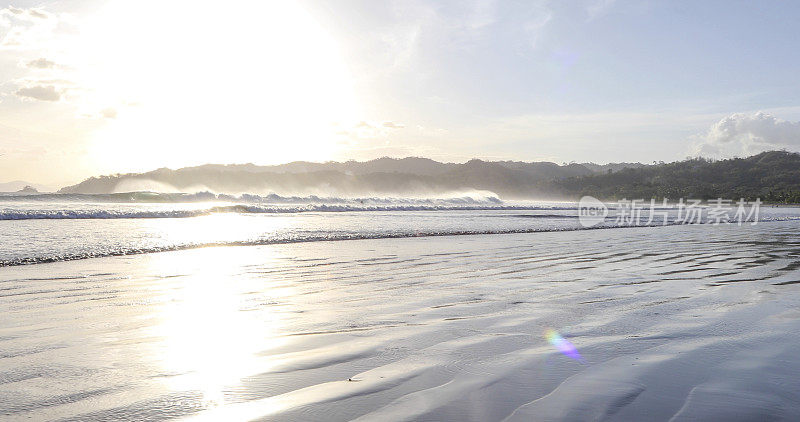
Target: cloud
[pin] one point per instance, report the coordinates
(370, 130)
(742, 133)
(25, 14)
(40, 92)
(41, 63)
(483, 13)
(535, 24)
(59, 82)
(48, 89)
(598, 8)
(27, 27)
(392, 125)
(14, 11)
(109, 113)
(106, 113)
(38, 14)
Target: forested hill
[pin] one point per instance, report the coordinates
(381, 177)
(773, 176)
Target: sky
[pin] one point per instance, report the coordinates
(113, 86)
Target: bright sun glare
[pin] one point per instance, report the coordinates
(211, 83)
(208, 339)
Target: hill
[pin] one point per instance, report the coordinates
(773, 176)
(18, 185)
(383, 176)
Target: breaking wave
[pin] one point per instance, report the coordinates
(462, 198)
(89, 206)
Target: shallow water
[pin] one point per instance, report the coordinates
(686, 322)
(47, 231)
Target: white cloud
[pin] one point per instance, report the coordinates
(41, 63)
(28, 28)
(40, 92)
(38, 14)
(24, 14)
(109, 113)
(106, 113)
(393, 125)
(368, 130)
(746, 134)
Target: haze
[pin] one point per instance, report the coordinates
(100, 87)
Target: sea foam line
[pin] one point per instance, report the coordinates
(97, 214)
(311, 238)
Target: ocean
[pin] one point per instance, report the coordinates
(54, 227)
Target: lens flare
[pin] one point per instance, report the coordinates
(562, 344)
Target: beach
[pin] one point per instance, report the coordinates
(685, 322)
(427, 210)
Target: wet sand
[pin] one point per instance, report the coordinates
(681, 322)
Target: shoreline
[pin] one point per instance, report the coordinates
(387, 236)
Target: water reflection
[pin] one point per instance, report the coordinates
(219, 228)
(213, 322)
